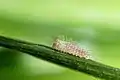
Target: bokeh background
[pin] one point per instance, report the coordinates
(93, 23)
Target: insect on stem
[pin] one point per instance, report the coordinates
(70, 47)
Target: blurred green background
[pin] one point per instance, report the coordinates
(93, 23)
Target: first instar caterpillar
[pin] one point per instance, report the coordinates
(71, 48)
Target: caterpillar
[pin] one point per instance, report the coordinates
(70, 47)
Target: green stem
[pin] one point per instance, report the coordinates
(87, 66)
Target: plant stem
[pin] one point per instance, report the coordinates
(87, 66)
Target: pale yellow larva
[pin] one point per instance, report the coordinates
(71, 48)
